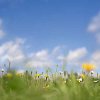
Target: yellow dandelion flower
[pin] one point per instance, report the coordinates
(88, 67)
(37, 75)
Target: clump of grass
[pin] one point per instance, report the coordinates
(49, 87)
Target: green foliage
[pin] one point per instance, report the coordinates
(29, 88)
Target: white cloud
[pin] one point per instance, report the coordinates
(74, 57)
(42, 55)
(76, 54)
(96, 55)
(95, 58)
(94, 27)
(98, 37)
(40, 59)
(56, 50)
(61, 57)
(12, 50)
(2, 33)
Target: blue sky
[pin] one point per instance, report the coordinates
(39, 27)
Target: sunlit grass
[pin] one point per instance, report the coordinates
(46, 86)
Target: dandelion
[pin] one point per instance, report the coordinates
(88, 67)
(37, 75)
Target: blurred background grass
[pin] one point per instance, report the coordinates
(26, 87)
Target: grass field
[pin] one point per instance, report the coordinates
(56, 86)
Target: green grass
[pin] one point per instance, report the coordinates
(28, 88)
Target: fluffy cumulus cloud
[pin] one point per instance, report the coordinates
(12, 50)
(79, 56)
(95, 24)
(95, 58)
(39, 59)
(2, 33)
(94, 27)
(76, 54)
(74, 57)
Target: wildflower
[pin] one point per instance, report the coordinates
(96, 81)
(2, 70)
(82, 76)
(64, 81)
(42, 76)
(88, 67)
(60, 72)
(80, 80)
(9, 75)
(92, 72)
(37, 75)
(46, 76)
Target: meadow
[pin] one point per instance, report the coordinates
(50, 86)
